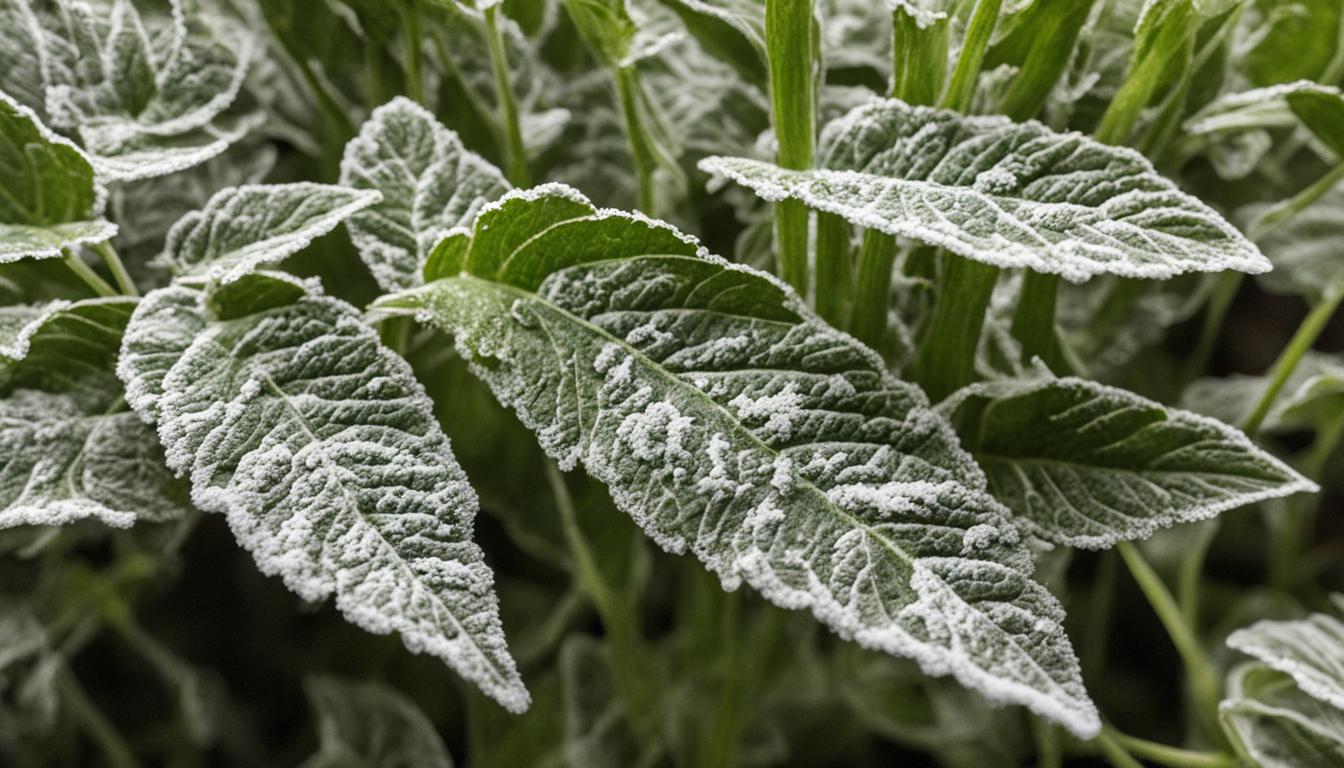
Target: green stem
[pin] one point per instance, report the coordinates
(415, 82)
(835, 269)
(961, 89)
(723, 744)
(76, 264)
(645, 158)
(1301, 342)
(1224, 292)
(1173, 757)
(373, 72)
(1060, 22)
(1145, 74)
(791, 49)
(1281, 212)
(872, 290)
(114, 263)
(1189, 577)
(1115, 754)
(1298, 518)
(1203, 681)
(919, 58)
(1046, 736)
(335, 113)
(1034, 320)
(516, 152)
(947, 356)
(1099, 618)
(114, 748)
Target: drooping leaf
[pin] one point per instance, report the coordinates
(51, 200)
(1313, 393)
(321, 449)
(1004, 193)
(1320, 108)
(429, 183)
(1276, 724)
(731, 423)
(1086, 465)
(1310, 650)
(1305, 250)
(245, 228)
(372, 726)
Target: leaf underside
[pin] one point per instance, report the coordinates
(1310, 650)
(1278, 724)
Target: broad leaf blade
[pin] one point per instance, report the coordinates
(1306, 252)
(1318, 107)
(1310, 650)
(245, 228)
(1277, 725)
(1086, 465)
(1003, 193)
(731, 423)
(429, 183)
(321, 449)
(371, 725)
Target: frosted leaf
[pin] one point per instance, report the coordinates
(244, 228)
(1318, 107)
(624, 347)
(21, 633)
(1305, 250)
(1087, 465)
(21, 75)
(69, 347)
(1277, 724)
(1312, 394)
(322, 450)
(730, 30)
(51, 200)
(371, 725)
(19, 322)
(1004, 193)
(1310, 650)
(429, 183)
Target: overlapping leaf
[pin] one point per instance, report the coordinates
(429, 183)
(1004, 193)
(1087, 465)
(51, 200)
(1320, 108)
(1278, 725)
(1312, 394)
(732, 424)
(321, 449)
(1308, 250)
(1309, 650)
(371, 725)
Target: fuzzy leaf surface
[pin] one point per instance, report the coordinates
(1003, 193)
(1320, 108)
(371, 725)
(1278, 725)
(321, 449)
(731, 423)
(1087, 465)
(429, 183)
(1310, 650)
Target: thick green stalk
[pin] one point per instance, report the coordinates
(114, 263)
(644, 154)
(1145, 75)
(791, 48)
(1034, 319)
(516, 152)
(1059, 22)
(415, 81)
(1173, 757)
(919, 59)
(947, 357)
(961, 89)
(1203, 681)
(1301, 342)
(835, 270)
(1115, 754)
(76, 264)
(872, 291)
(1046, 736)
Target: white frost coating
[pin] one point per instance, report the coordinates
(430, 185)
(869, 515)
(1310, 650)
(1087, 465)
(1004, 193)
(1255, 109)
(19, 323)
(244, 228)
(322, 450)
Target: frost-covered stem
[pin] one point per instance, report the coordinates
(1173, 757)
(961, 89)
(415, 81)
(1044, 64)
(1034, 319)
(872, 291)
(114, 263)
(1203, 681)
(1283, 211)
(1115, 754)
(82, 709)
(919, 59)
(1302, 340)
(1145, 74)
(947, 356)
(641, 148)
(835, 270)
(76, 264)
(513, 132)
(791, 49)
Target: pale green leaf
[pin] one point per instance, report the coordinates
(1086, 465)
(51, 200)
(1310, 650)
(321, 449)
(730, 30)
(20, 70)
(69, 347)
(1320, 108)
(246, 228)
(1276, 724)
(731, 423)
(1308, 250)
(369, 725)
(1312, 394)
(1004, 193)
(429, 184)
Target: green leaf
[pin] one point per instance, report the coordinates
(1004, 193)
(242, 229)
(1306, 252)
(732, 31)
(606, 27)
(731, 423)
(1276, 724)
(51, 200)
(371, 725)
(321, 448)
(429, 184)
(597, 733)
(1087, 465)
(1313, 393)
(20, 70)
(1318, 107)
(1310, 650)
